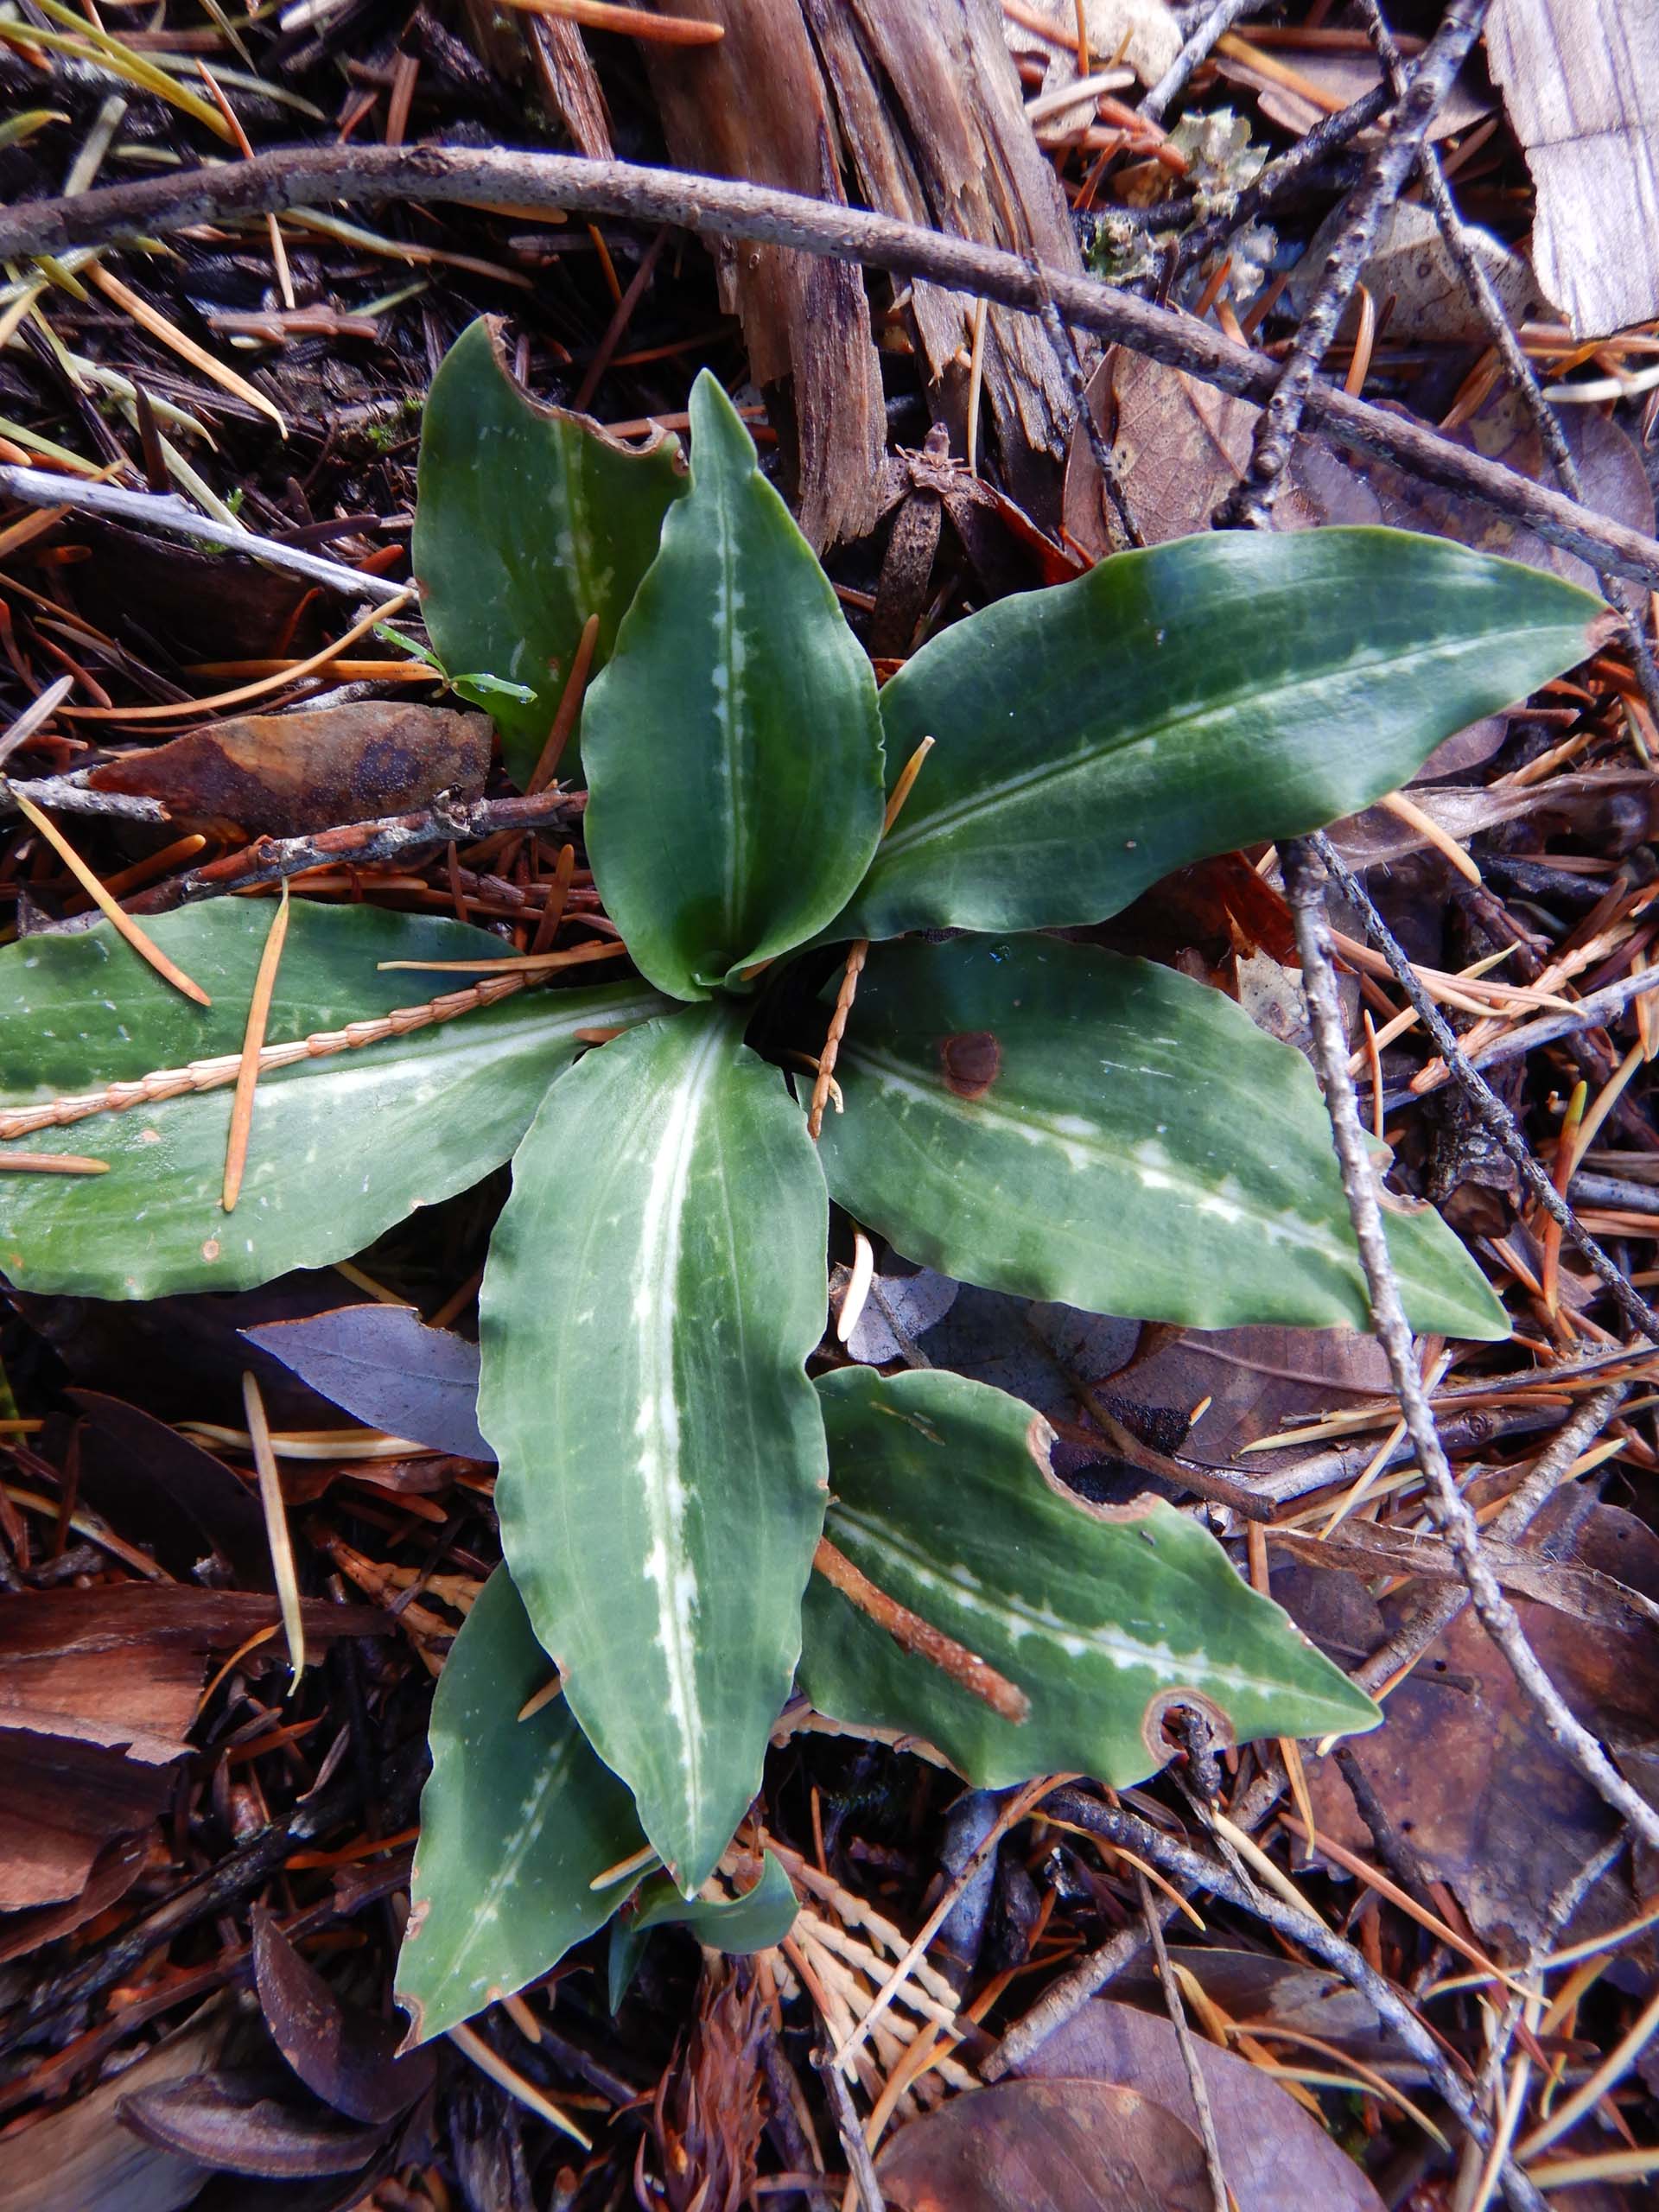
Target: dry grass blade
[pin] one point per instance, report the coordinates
(468, 2040)
(157, 324)
(187, 709)
(142, 944)
(515, 963)
(253, 1039)
(275, 1513)
(630, 23)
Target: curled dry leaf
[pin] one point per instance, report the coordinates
(226, 2123)
(154, 1486)
(344, 2055)
(288, 775)
(77, 2159)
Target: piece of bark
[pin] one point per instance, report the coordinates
(935, 128)
(754, 106)
(571, 83)
(1581, 82)
(512, 40)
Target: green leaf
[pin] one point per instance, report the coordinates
(654, 1286)
(517, 1817)
(943, 1495)
(754, 1922)
(1059, 1122)
(343, 1146)
(734, 745)
(528, 520)
(1184, 701)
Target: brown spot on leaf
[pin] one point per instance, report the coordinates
(971, 1062)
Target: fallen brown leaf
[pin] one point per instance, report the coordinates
(288, 775)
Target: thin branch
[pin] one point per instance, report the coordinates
(1517, 369)
(1385, 177)
(65, 796)
(1305, 881)
(39, 487)
(1120, 525)
(1197, 2088)
(356, 844)
(1486, 1102)
(1430, 1617)
(1198, 47)
(1603, 1006)
(308, 177)
(860, 2163)
(1186, 1864)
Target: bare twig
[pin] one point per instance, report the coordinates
(1193, 1868)
(38, 487)
(1517, 369)
(65, 796)
(356, 844)
(1197, 2088)
(308, 177)
(1199, 45)
(1487, 1103)
(1385, 177)
(1605, 1005)
(860, 2163)
(1304, 880)
(1428, 1618)
(1121, 525)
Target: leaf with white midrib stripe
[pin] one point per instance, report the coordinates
(344, 1145)
(1209, 693)
(943, 1495)
(654, 1286)
(1058, 1122)
(734, 744)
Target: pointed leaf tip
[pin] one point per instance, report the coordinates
(734, 745)
(1106, 1617)
(528, 520)
(1209, 693)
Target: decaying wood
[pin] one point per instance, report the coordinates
(1580, 81)
(934, 127)
(755, 106)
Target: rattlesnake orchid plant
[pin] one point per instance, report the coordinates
(1023, 1111)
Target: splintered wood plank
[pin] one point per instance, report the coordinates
(1580, 81)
